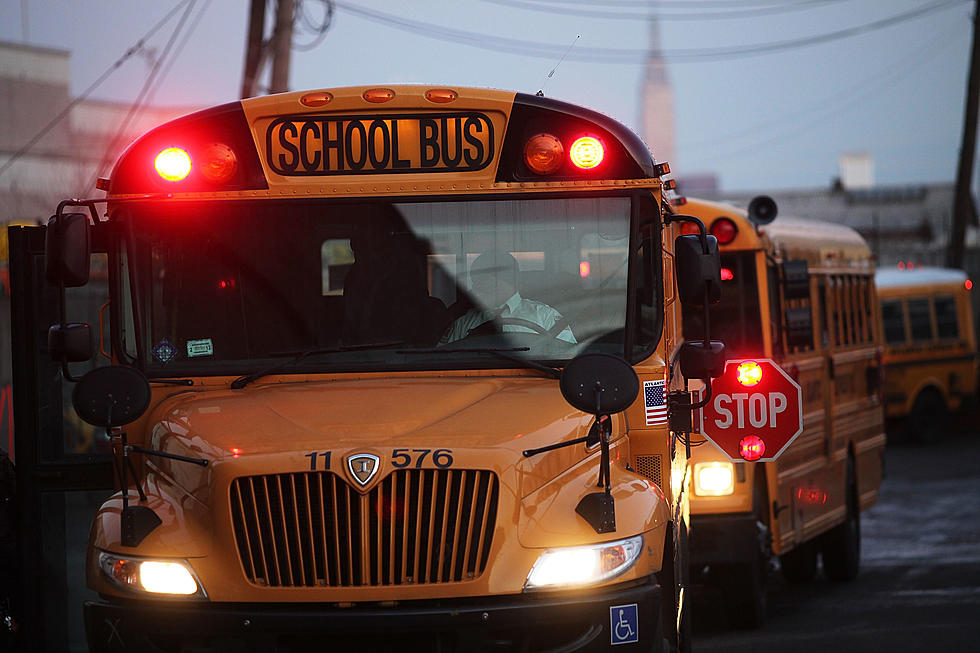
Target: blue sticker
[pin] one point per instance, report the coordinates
(624, 624)
(164, 351)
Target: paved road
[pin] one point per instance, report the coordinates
(919, 586)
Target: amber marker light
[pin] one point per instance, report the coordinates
(219, 163)
(440, 95)
(543, 153)
(315, 99)
(173, 164)
(749, 373)
(586, 152)
(379, 95)
(751, 447)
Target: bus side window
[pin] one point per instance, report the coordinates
(920, 321)
(893, 321)
(825, 317)
(947, 322)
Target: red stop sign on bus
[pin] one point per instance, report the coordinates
(755, 411)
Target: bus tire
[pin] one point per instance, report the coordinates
(800, 564)
(841, 546)
(676, 640)
(929, 419)
(745, 585)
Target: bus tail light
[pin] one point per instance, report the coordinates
(751, 447)
(543, 154)
(173, 164)
(586, 152)
(724, 230)
(727, 274)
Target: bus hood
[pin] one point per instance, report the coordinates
(484, 422)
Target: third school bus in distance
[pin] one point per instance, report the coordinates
(407, 352)
(930, 348)
(801, 293)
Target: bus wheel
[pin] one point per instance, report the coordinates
(841, 546)
(929, 418)
(800, 564)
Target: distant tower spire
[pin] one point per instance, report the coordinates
(658, 102)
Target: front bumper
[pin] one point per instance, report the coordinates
(541, 623)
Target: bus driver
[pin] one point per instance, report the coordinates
(494, 288)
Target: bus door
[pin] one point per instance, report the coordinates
(63, 466)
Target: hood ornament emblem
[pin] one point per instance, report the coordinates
(363, 467)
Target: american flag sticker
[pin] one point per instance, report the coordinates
(654, 402)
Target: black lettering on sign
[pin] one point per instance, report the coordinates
(335, 145)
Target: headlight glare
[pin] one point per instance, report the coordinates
(583, 565)
(166, 577)
(714, 479)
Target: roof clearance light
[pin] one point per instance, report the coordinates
(751, 447)
(379, 95)
(586, 152)
(543, 154)
(220, 163)
(727, 275)
(749, 373)
(316, 99)
(173, 164)
(724, 230)
(440, 95)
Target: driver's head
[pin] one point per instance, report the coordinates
(494, 278)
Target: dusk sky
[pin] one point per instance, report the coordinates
(775, 119)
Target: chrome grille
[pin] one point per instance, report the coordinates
(311, 529)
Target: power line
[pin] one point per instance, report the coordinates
(621, 55)
(753, 12)
(137, 47)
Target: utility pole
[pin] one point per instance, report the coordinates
(963, 208)
(282, 44)
(253, 48)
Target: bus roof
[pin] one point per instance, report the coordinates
(924, 276)
(821, 244)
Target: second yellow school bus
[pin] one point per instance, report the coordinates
(930, 348)
(802, 293)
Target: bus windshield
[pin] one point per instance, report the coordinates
(365, 285)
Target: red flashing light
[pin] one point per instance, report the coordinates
(751, 447)
(584, 269)
(586, 152)
(235, 452)
(219, 163)
(749, 373)
(727, 275)
(543, 154)
(811, 495)
(901, 265)
(173, 164)
(968, 284)
(724, 230)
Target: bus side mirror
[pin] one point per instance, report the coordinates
(796, 279)
(697, 271)
(67, 250)
(702, 362)
(70, 342)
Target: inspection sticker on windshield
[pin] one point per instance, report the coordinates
(624, 624)
(200, 348)
(164, 351)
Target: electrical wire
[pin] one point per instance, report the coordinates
(755, 12)
(138, 103)
(134, 49)
(319, 29)
(621, 55)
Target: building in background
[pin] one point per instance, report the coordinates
(657, 107)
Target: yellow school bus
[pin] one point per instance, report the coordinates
(930, 348)
(408, 355)
(801, 293)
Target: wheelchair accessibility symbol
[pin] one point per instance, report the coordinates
(624, 627)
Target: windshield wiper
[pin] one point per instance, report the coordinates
(500, 353)
(243, 381)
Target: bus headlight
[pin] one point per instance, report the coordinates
(577, 566)
(715, 479)
(165, 577)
